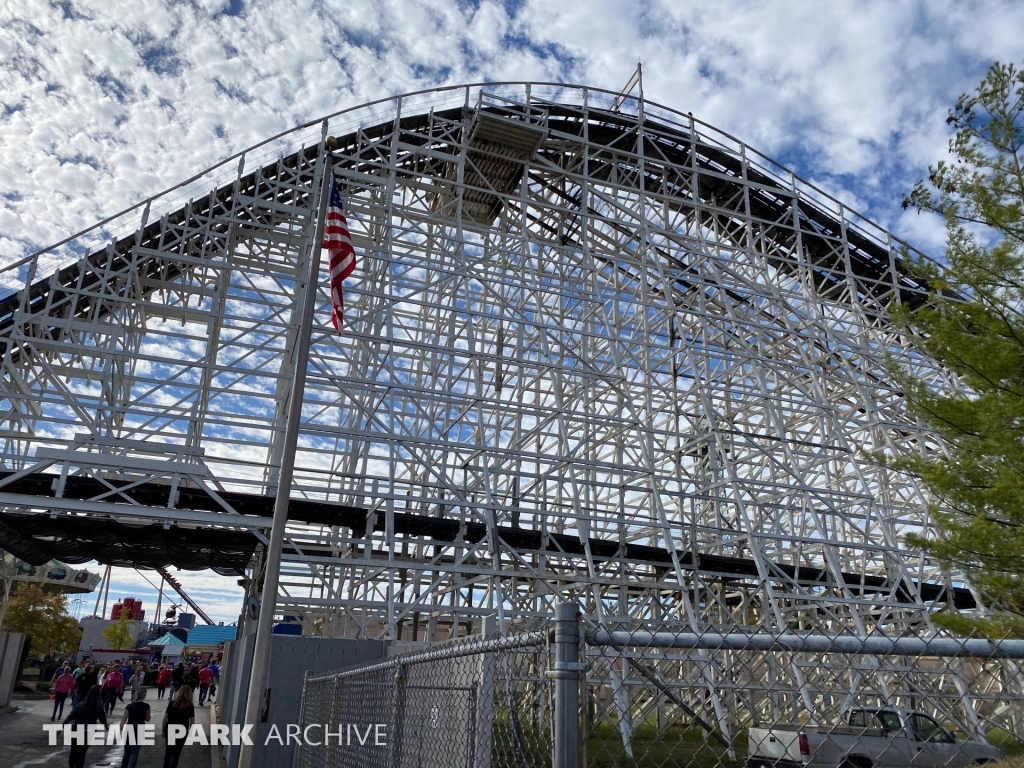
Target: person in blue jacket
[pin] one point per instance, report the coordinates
(126, 673)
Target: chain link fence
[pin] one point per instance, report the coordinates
(579, 694)
(667, 696)
(482, 701)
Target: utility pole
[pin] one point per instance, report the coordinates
(159, 601)
(106, 594)
(305, 294)
(99, 594)
(10, 568)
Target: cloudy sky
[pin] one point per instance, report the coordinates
(104, 102)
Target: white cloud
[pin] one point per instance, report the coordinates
(925, 230)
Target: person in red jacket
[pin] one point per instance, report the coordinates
(163, 677)
(112, 685)
(205, 678)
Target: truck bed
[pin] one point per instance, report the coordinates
(839, 730)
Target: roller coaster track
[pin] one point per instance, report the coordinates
(176, 585)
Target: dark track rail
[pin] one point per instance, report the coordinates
(721, 185)
(38, 487)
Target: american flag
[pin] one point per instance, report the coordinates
(341, 254)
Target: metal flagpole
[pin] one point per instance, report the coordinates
(305, 290)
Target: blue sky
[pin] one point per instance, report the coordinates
(103, 102)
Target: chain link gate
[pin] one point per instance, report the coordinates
(578, 696)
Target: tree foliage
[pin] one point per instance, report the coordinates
(974, 326)
(118, 635)
(42, 615)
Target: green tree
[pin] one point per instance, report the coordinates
(42, 615)
(974, 326)
(119, 634)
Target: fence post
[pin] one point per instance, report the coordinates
(567, 686)
(483, 734)
(299, 757)
(399, 715)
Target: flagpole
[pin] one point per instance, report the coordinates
(306, 289)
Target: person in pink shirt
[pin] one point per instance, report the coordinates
(112, 685)
(63, 684)
(205, 678)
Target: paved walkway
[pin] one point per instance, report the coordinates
(23, 742)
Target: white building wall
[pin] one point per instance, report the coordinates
(94, 646)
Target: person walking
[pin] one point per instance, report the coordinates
(192, 677)
(63, 684)
(163, 677)
(179, 712)
(177, 678)
(113, 684)
(58, 672)
(136, 680)
(84, 684)
(205, 678)
(89, 712)
(215, 668)
(126, 673)
(135, 714)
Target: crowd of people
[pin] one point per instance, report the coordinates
(96, 692)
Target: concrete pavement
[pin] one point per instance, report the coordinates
(23, 742)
